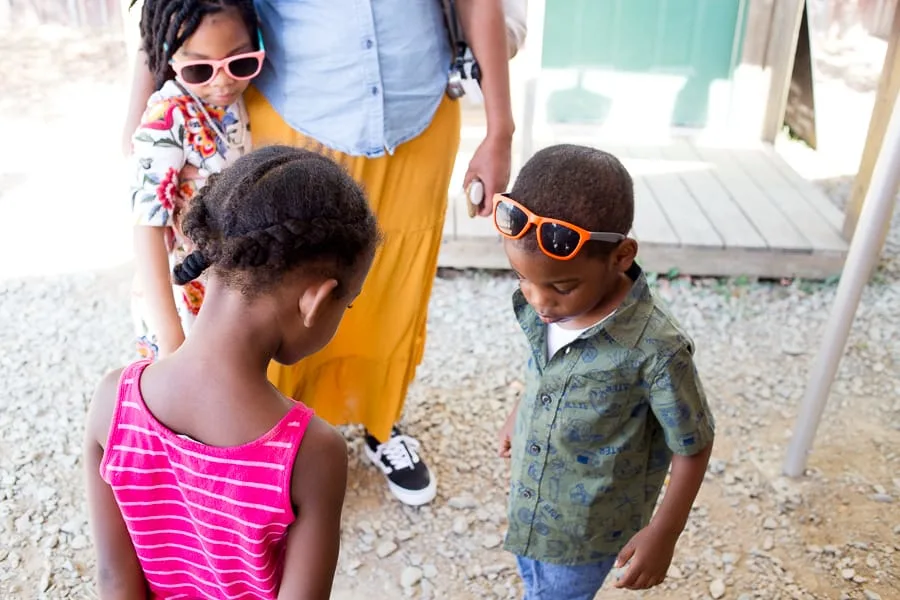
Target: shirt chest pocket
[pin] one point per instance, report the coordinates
(597, 404)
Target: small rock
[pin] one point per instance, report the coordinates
(385, 549)
(870, 595)
(44, 585)
(491, 541)
(848, 574)
(429, 571)
(885, 498)
(768, 543)
(770, 523)
(871, 562)
(845, 596)
(79, 542)
(674, 573)
(410, 576)
(717, 588)
(879, 489)
(462, 502)
(72, 526)
(717, 466)
(404, 535)
(460, 525)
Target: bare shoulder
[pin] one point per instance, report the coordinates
(103, 404)
(320, 466)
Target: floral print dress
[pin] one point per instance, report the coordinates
(175, 132)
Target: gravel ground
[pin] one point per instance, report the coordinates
(753, 534)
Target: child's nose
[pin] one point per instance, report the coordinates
(221, 77)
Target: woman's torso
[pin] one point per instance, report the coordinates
(359, 76)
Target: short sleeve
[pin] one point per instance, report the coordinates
(679, 404)
(159, 156)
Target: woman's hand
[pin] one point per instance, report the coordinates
(490, 164)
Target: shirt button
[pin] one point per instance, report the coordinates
(535, 449)
(546, 399)
(568, 349)
(526, 494)
(369, 44)
(374, 90)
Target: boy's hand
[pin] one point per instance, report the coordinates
(650, 552)
(506, 432)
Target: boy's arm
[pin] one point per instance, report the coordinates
(679, 405)
(119, 574)
(319, 482)
(651, 549)
(506, 432)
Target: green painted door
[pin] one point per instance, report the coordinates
(691, 42)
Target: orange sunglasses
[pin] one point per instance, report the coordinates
(556, 238)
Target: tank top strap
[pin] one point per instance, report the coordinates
(128, 411)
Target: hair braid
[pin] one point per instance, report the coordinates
(275, 210)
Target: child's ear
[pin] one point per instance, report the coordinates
(315, 298)
(625, 254)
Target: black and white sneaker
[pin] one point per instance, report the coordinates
(408, 477)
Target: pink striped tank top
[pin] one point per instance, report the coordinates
(206, 522)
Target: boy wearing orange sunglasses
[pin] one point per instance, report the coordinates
(612, 395)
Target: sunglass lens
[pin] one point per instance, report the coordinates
(244, 67)
(558, 240)
(510, 219)
(197, 73)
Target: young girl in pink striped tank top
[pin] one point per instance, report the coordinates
(203, 481)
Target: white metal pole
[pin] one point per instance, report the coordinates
(861, 261)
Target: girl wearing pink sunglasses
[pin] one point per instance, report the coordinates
(203, 55)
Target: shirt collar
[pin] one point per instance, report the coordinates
(625, 326)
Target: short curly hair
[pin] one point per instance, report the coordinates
(275, 210)
(579, 184)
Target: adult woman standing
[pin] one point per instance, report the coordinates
(363, 81)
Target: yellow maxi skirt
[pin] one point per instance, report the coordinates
(363, 375)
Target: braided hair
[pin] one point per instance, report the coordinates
(273, 211)
(167, 24)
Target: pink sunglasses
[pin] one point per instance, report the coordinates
(240, 67)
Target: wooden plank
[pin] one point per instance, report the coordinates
(888, 87)
(780, 60)
(650, 222)
(807, 189)
(755, 204)
(717, 204)
(483, 253)
(789, 201)
(674, 199)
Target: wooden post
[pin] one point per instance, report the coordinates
(888, 87)
(780, 59)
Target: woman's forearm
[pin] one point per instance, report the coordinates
(485, 29)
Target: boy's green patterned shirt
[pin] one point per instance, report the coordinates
(596, 429)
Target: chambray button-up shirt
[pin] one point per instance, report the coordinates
(596, 428)
(359, 76)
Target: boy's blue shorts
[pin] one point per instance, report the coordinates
(546, 581)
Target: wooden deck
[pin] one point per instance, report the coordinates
(702, 208)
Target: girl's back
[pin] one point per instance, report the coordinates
(204, 481)
(200, 516)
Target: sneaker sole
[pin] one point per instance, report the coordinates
(407, 497)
